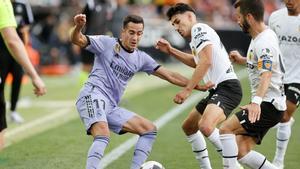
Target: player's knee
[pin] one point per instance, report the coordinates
(206, 129)
(189, 129)
(224, 130)
(243, 151)
(285, 118)
(100, 129)
(150, 127)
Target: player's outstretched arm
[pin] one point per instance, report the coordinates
(18, 51)
(76, 36)
(164, 46)
(178, 79)
(170, 76)
(236, 57)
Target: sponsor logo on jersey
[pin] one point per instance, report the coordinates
(286, 38)
(193, 51)
(250, 55)
(250, 65)
(121, 72)
(264, 64)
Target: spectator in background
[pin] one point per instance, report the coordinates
(96, 12)
(117, 17)
(24, 17)
(18, 51)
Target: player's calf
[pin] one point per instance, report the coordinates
(143, 148)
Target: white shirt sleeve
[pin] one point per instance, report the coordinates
(200, 37)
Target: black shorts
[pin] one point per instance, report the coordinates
(227, 96)
(292, 92)
(269, 117)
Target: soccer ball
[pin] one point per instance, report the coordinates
(152, 165)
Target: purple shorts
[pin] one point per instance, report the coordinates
(93, 106)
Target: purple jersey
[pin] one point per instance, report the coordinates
(114, 66)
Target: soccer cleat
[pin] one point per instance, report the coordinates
(278, 164)
(16, 117)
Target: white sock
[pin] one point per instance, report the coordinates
(199, 148)
(214, 138)
(256, 160)
(230, 151)
(282, 140)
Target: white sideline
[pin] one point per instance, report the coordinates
(160, 122)
(38, 125)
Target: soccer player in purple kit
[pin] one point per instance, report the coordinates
(116, 61)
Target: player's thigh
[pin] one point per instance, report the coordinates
(92, 107)
(292, 92)
(290, 110)
(190, 124)
(231, 126)
(138, 125)
(212, 115)
(121, 120)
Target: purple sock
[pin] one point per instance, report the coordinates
(142, 149)
(96, 152)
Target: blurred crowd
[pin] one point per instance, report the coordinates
(54, 18)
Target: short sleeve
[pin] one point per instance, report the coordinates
(200, 37)
(96, 43)
(265, 58)
(149, 65)
(271, 22)
(7, 18)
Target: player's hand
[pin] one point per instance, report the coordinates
(235, 57)
(182, 96)
(253, 112)
(39, 86)
(80, 20)
(205, 87)
(163, 45)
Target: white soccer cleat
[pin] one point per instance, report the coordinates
(278, 164)
(16, 117)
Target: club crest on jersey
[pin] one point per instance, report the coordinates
(117, 48)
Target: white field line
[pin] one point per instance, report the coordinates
(38, 125)
(160, 122)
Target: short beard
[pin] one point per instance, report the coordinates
(291, 11)
(245, 26)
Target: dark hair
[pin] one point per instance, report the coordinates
(179, 8)
(132, 18)
(253, 7)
